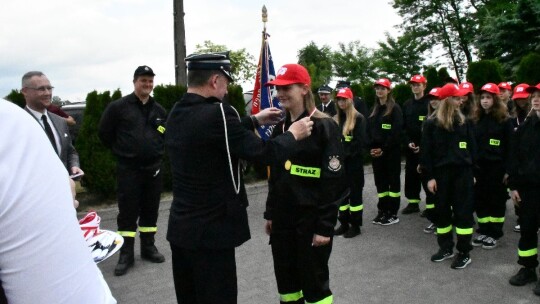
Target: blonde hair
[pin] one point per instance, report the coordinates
(309, 103)
(447, 112)
(350, 117)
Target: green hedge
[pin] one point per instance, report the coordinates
(528, 70)
(484, 71)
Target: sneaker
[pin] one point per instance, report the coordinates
(377, 220)
(430, 229)
(479, 240)
(524, 276)
(489, 243)
(411, 208)
(341, 229)
(442, 255)
(352, 232)
(461, 261)
(517, 228)
(389, 220)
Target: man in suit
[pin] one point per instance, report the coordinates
(37, 91)
(326, 106)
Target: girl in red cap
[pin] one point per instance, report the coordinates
(493, 132)
(468, 100)
(353, 131)
(447, 157)
(303, 195)
(524, 182)
(384, 130)
(505, 92)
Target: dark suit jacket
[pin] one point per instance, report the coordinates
(68, 154)
(329, 109)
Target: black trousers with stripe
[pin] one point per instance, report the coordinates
(490, 199)
(529, 217)
(386, 172)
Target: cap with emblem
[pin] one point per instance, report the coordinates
(466, 86)
(290, 74)
(210, 62)
(418, 79)
(531, 89)
(345, 93)
(520, 91)
(383, 82)
(490, 88)
(505, 86)
(143, 70)
(434, 92)
(343, 84)
(324, 89)
(451, 90)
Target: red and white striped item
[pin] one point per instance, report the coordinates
(90, 225)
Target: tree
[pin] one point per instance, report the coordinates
(318, 62)
(179, 43)
(432, 78)
(16, 97)
(484, 71)
(242, 62)
(528, 71)
(354, 62)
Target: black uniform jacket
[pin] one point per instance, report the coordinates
(384, 131)
(354, 144)
(206, 211)
(305, 190)
(441, 147)
(493, 140)
(134, 131)
(329, 108)
(524, 169)
(414, 113)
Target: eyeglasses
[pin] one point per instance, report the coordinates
(41, 89)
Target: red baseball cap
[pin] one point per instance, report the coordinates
(345, 93)
(490, 88)
(418, 79)
(467, 86)
(435, 92)
(520, 91)
(290, 74)
(383, 82)
(451, 90)
(505, 85)
(531, 89)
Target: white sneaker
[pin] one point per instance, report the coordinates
(479, 240)
(489, 243)
(517, 228)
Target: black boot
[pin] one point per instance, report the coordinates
(126, 259)
(149, 251)
(353, 231)
(524, 276)
(343, 228)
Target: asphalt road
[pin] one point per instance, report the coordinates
(383, 265)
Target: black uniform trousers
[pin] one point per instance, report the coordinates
(352, 209)
(431, 200)
(455, 207)
(529, 213)
(490, 199)
(139, 192)
(204, 276)
(413, 182)
(386, 171)
(301, 269)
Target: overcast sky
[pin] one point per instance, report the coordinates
(96, 45)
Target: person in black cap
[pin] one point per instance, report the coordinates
(133, 128)
(326, 106)
(358, 102)
(205, 140)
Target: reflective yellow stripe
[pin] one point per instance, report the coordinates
(327, 300)
(306, 171)
(161, 129)
(444, 230)
(430, 206)
(527, 253)
(414, 201)
(464, 231)
(348, 138)
(357, 208)
(387, 126)
(483, 220)
(383, 194)
(494, 142)
(291, 297)
(148, 229)
(344, 208)
(462, 145)
(496, 219)
(127, 233)
(394, 194)
(421, 118)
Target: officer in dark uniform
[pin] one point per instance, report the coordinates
(133, 127)
(327, 105)
(205, 140)
(359, 103)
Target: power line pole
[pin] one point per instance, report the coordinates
(179, 43)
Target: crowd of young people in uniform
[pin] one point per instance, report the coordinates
(470, 152)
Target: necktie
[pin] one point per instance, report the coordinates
(49, 132)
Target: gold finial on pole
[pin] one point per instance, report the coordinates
(264, 16)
